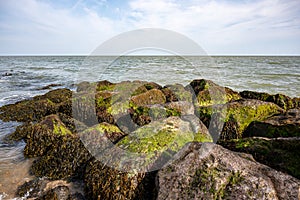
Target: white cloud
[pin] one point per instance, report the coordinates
(221, 26)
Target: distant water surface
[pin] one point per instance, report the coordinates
(24, 77)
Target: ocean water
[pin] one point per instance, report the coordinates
(24, 77)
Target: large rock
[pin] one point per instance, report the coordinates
(153, 96)
(36, 108)
(40, 137)
(209, 93)
(285, 125)
(217, 173)
(67, 158)
(234, 117)
(120, 172)
(104, 182)
(281, 100)
(279, 153)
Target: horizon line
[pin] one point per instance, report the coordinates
(86, 55)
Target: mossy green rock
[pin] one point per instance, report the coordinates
(69, 155)
(27, 110)
(100, 137)
(237, 115)
(285, 125)
(36, 108)
(178, 92)
(209, 93)
(281, 154)
(281, 100)
(43, 136)
(150, 146)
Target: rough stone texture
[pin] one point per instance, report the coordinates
(103, 182)
(152, 145)
(217, 173)
(237, 116)
(281, 100)
(284, 125)
(209, 93)
(279, 153)
(153, 96)
(183, 107)
(44, 189)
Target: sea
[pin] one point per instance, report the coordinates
(22, 77)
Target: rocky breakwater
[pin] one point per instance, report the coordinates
(140, 140)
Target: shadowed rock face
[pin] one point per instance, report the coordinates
(284, 125)
(281, 100)
(279, 153)
(234, 117)
(217, 173)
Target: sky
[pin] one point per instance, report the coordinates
(220, 27)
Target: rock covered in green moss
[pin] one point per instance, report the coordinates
(281, 154)
(100, 137)
(27, 110)
(150, 146)
(209, 93)
(42, 136)
(208, 171)
(68, 157)
(281, 100)
(284, 125)
(36, 108)
(234, 117)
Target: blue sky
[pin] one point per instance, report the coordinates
(220, 27)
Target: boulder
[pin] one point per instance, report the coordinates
(234, 117)
(35, 109)
(152, 145)
(209, 93)
(68, 157)
(279, 153)
(284, 125)
(217, 173)
(103, 182)
(281, 100)
(150, 97)
(127, 170)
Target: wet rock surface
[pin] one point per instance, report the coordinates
(114, 138)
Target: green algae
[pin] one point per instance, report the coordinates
(242, 112)
(209, 93)
(281, 100)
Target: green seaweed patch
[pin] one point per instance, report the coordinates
(157, 137)
(243, 112)
(28, 110)
(105, 86)
(281, 100)
(216, 95)
(178, 92)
